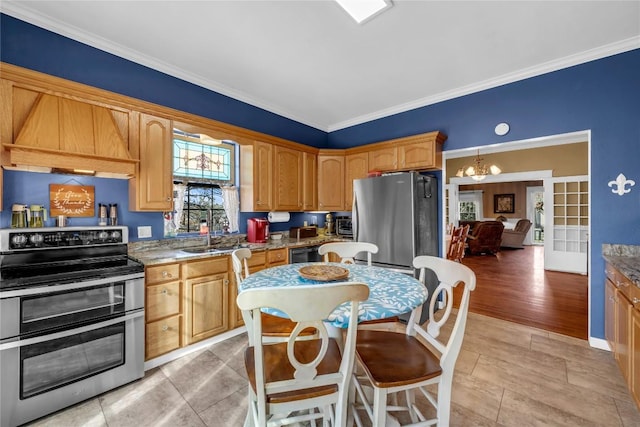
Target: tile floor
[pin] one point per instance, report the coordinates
(507, 375)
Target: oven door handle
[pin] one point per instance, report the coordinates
(69, 286)
(62, 334)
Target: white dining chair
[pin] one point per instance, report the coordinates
(395, 362)
(300, 380)
(274, 328)
(348, 250)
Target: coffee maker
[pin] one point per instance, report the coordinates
(257, 230)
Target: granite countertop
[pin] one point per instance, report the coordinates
(176, 250)
(625, 259)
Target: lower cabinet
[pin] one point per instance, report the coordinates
(163, 309)
(622, 326)
(206, 284)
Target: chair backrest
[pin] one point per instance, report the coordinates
(522, 226)
(450, 274)
(348, 250)
(457, 243)
(308, 306)
(239, 259)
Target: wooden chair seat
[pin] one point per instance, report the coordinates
(279, 368)
(274, 326)
(387, 368)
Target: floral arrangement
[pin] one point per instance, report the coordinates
(540, 207)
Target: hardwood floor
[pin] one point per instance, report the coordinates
(513, 285)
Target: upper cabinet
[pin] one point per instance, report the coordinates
(310, 182)
(417, 152)
(356, 167)
(383, 159)
(256, 176)
(152, 187)
(277, 178)
(331, 180)
(288, 179)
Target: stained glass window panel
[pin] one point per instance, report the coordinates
(201, 161)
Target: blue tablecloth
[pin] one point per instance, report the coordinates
(390, 293)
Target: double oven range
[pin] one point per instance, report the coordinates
(71, 318)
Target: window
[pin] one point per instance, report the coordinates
(201, 166)
(470, 205)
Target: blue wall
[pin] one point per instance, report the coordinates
(602, 96)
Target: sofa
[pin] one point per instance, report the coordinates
(515, 238)
(486, 237)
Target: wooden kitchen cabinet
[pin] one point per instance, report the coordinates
(310, 182)
(163, 309)
(276, 257)
(622, 326)
(152, 187)
(288, 179)
(206, 302)
(331, 180)
(634, 375)
(256, 175)
(356, 167)
(383, 159)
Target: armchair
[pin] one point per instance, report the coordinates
(485, 237)
(514, 238)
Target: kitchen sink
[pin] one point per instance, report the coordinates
(211, 250)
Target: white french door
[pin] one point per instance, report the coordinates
(566, 230)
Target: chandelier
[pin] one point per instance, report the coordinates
(478, 171)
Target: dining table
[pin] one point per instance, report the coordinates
(391, 293)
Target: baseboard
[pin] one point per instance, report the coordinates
(599, 343)
(176, 354)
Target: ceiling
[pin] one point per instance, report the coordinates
(310, 62)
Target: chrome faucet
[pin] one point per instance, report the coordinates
(209, 224)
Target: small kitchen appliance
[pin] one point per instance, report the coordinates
(257, 230)
(329, 225)
(113, 214)
(102, 214)
(343, 226)
(20, 216)
(38, 216)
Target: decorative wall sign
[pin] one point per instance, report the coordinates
(621, 182)
(503, 203)
(72, 200)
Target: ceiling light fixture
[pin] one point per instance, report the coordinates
(478, 171)
(363, 10)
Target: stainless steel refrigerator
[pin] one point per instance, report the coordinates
(399, 213)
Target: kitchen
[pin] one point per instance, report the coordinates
(604, 119)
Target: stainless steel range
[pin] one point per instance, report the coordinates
(71, 318)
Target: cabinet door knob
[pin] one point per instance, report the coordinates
(636, 300)
(165, 328)
(164, 292)
(166, 274)
(168, 199)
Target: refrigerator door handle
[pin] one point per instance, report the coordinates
(354, 218)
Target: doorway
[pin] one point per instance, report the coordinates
(535, 211)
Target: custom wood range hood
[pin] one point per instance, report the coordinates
(65, 135)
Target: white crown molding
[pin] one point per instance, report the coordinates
(547, 67)
(20, 11)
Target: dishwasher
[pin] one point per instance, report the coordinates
(304, 254)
